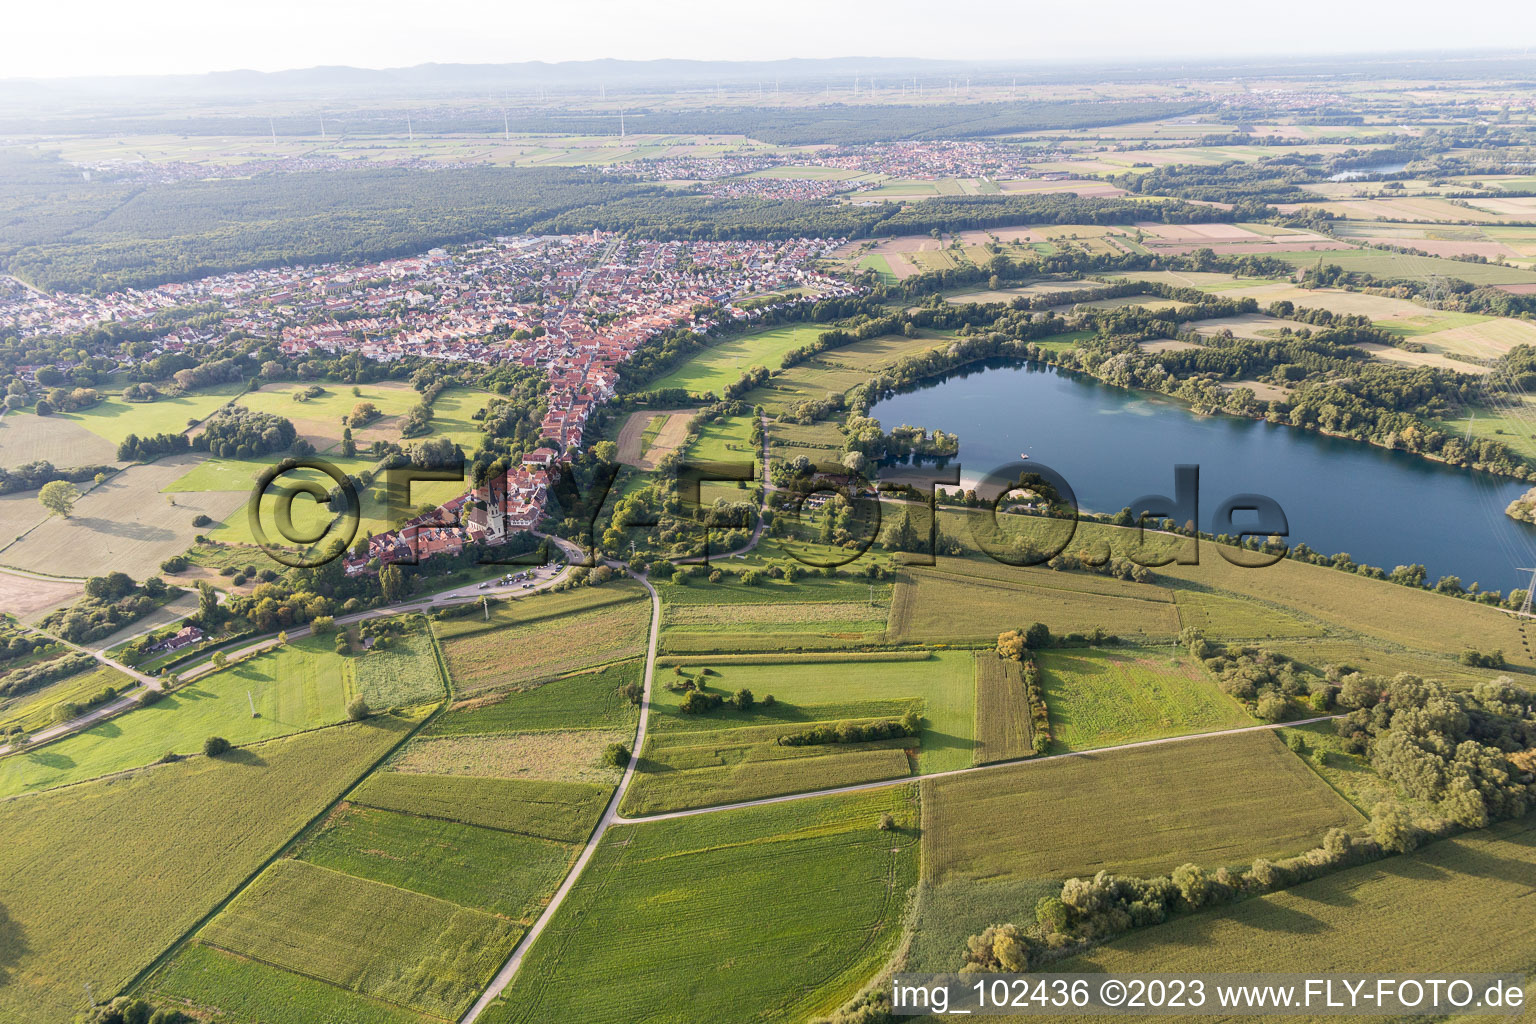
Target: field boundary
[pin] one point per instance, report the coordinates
(170, 951)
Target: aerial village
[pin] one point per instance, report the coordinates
(572, 306)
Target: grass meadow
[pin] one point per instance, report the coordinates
(998, 597)
(301, 686)
(727, 755)
(773, 616)
(114, 419)
(33, 711)
(722, 364)
(786, 909)
(586, 700)
(186, 835)
(1099, 698)
(404, 673)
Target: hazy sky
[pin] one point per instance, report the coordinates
(85, 37)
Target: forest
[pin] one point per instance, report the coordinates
(68, 234)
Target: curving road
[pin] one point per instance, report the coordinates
(574, 555)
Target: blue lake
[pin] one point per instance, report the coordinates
(1113, 446)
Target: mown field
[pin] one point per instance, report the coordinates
(1223, 800)
(996, 841)
(549, 646)
(532, 608)
(403, 947)
(1003, 727)
(1345, 605)
(809, 614)
(186, 833)
(563, 755)
(1224, 618)
(582, 701)
(1458, 905)
(562, 811)
(319, 419)
(302, 685)
(997, 597)
(785, 910)
(726, 754)
(124, 524)
(114, 419)
(723, 364)
(1100, 698)
(25, 437)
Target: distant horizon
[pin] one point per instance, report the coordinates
(96, 39)
(996, 63)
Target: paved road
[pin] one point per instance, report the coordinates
(459, 595)
(610, 817)
(90, 718)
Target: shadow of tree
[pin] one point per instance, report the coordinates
(243, 755)
(13, 945)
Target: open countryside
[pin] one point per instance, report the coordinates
(691, 540)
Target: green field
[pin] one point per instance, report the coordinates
(33, 711)
(1003, 725)
(547, 647)
(584, 701)
(1222, 800)
(1346, 605)
(727, 755)
(776, 616)
(382, 505)
(1383, 263)
(531, 608)
(243, 991)
(995, 841)
(1102, 698)
(562, 811)
(728, 439)
(406, 672)
(508, 875)
(724, 363)
(785, 909)
(1224, 618)
(999, 597)
(114, 419)
(319, 419)
(1457, 905)
(161, 849)
(400, 946)
(302, 685)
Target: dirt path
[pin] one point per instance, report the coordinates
(632, 450)
(610, 817)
